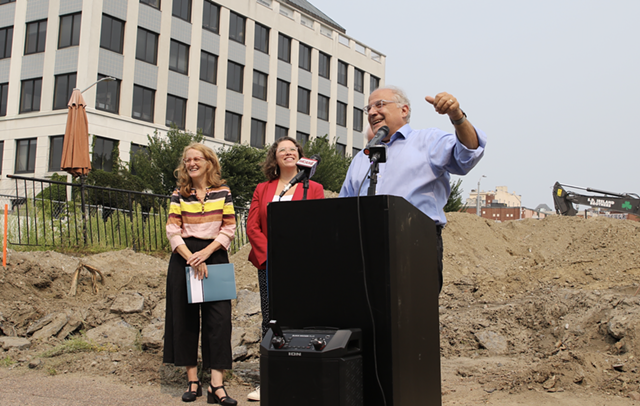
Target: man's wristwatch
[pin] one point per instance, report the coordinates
(461, 120)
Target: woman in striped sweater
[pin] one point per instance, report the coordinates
(200, 228)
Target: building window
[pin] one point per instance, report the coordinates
(108, 95)
(4, 96)
(30, 95)
(36, 35)
(341, 116)
(176, 111)
(179, 57)
(63, 88)
(1, 155)
(143, 103)
(112, 34)
(103, 151)
(354, 151)
(258, 131)
(284, 48)
(323, 107)
(55, 152)
(135, 150)
(69, 30)
(182, 9)
(302, 138)
(25, 155)
(147, 46)
(324, 65)
(358, 80)
(206, 119)
(259, 85)
(261, 42)
(152, 3)
(6, 39)
(304, 100)
(232, 127)
(282, 93)
(343, 68)
(209, 67)
(235, 73)
(341, 149)
(281, 132)
(304, 57)
(357, 119)
(7, 1)
(374, 83)
(211, 17)
(236, 27)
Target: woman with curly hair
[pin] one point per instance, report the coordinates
(200, 228)
(279, 167)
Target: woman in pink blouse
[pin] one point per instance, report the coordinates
(200, 228)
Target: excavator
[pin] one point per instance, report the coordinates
(616, 202)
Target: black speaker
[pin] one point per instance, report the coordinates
(311, 367)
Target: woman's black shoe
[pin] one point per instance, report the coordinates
(191, 395)
(212, 398)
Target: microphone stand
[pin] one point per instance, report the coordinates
(377, 155)
(305, 185)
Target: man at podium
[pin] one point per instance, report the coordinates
(418, 162)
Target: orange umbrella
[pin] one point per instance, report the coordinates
(75, 149)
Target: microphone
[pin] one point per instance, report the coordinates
(307, 168)
(377, 139)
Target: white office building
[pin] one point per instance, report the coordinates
(242, 71)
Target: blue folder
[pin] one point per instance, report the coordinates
(219, 285)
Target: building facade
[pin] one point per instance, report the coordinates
(240, 71)
(500, 195)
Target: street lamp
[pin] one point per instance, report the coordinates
(107, 79)
(478, 197)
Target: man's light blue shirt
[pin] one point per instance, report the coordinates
(418, 166)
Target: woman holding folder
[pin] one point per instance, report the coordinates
(279, 168)
(200, 228)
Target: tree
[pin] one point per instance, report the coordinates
(455, 203)
(242, 169)
(333, 167)
(154, 165)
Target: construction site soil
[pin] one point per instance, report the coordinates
(532, 312)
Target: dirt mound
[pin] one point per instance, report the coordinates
(546, 305)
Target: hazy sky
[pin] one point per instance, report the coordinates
(554, 84)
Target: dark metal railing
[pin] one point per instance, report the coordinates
(50, 213)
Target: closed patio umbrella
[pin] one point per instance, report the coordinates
(75, 149)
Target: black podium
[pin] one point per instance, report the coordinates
(316, 279)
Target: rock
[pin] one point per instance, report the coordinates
(128, 302)
(237, 336)
(116, 332)
(240, 353)
(153, 336)
(72, 325)
(617, 326)
(248, 372)
(36, 363)
(549, 383)
(57, 323)
(493, 342)
(15, 342)
(634, 395)
(40, 323)
(248, 303)
(160, 309)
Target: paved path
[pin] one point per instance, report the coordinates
(20, 387)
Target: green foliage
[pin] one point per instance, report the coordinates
(77, 344)
(333, 167)
(7, 361)
(55, 192)
(455, 203)
(242, 169)
(155, 165)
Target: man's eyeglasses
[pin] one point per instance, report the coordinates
(378, 105)
(194, 160)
